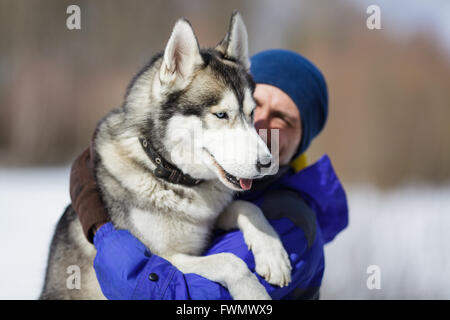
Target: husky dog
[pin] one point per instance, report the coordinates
(170, 203)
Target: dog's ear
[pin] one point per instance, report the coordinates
(181, 56)
(235, 43)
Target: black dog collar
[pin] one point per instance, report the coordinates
(164, 169)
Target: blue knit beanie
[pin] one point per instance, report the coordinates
(301, 81)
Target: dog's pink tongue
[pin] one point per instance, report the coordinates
(246, 184)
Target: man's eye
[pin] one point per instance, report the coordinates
(221, 115)
(284, 121)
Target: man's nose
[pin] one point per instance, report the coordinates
(261, 119)
(260, 124)
(266, 136)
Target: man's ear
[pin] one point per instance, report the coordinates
(235, 43)
(181, 56)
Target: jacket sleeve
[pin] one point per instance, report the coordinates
(296, 224)
(126, 269)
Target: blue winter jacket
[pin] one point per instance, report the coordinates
(307, 209)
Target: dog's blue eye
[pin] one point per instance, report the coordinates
(221, 115)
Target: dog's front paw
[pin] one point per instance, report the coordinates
(248, 287)
(271, 259)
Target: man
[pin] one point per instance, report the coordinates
(306, 207)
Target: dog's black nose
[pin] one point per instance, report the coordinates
(259, 165)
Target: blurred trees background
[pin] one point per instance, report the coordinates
(389, 121)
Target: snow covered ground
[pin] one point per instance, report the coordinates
(404, 232)
(31, 202)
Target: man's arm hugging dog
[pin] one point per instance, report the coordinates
(168, 164)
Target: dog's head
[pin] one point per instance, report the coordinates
(197, 106)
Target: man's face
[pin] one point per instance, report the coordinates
(276, 110)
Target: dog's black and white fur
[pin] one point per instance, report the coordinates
(183, 89)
